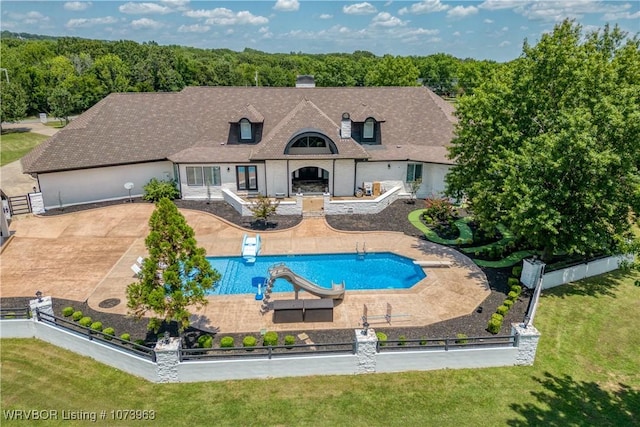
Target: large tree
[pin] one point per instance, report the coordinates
(550, 146)
(175, 276)
(13, 102)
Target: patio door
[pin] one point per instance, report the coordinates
(247, 178)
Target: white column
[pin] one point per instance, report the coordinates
(527, 337)
(366, 351)
(167, 360)
(43, 304)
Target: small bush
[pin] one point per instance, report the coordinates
(125, 337)
(67, 311)
(139, 341)
(249, 341)
(513, 295)
(289, 340)
(77, 315)
(516, 271)
(382, 338)
(85, 321)
(500, 317)
(494, 325)
(96, 326)
(502, 310)
(205, 341)
(402, 340)
(512, 281)
(270, 338)
(226, 342)
(461, 339)
(517, 289)
(423, 341)
(109, 332)
(508, 302)
(155, 190)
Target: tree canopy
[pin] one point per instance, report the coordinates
(175, 275)
(550, 146)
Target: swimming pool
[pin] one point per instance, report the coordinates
(381, 270)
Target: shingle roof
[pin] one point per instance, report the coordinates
(193, 126)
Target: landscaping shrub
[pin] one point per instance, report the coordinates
(382, 338)
(517, 289)
(289, 340)
(516, 271)
(494, 325)
(249, 341)
(500, 317)
(270, 338)
(109, 332)
(513, 295)
(96, 326)
(423, 341)
(508, 302)
(139, 341)
(512, 281)
(85, 321)
(125, 337)
(205, 341)
(439, 209)
(402, 340)
(461, 339)
(67, 311)
(226, 342)
(502, 310)
(155, 190)
(77, 315)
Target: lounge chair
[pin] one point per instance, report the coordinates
(140, 261)
(137, 270)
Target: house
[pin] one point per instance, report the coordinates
(274, 141)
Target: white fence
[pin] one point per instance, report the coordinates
(582, 271)
(169, 368)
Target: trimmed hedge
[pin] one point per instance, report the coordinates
(205, 341)
(249, 341)
(461, 339)
(517, 289)
(513, 295)
(67, 311)
(96, 326)
(502, 310)
(270, 338)
(494, 325)
(289, 340)
(125, 337)
(226, 342)
(85, 321)
(508, 302)
(77, 315)
(516, 271)
(382, 338)
(109, 332)
(512, 281)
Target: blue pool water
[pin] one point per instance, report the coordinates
(382, 270)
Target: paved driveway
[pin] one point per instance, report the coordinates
(87, 256)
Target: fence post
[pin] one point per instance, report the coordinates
(366, 342)
(167, 353)
(527, 337)
(43, 304)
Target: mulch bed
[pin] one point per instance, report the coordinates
(393, 218)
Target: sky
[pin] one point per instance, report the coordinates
(490, 29)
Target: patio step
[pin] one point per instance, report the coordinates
(313, 214)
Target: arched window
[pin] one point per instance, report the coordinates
(310, 143)
(245, 130)
(368, 132)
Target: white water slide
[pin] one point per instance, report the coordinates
(282, 271)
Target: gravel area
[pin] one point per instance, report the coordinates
(393, 218)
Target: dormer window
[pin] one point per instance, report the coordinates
(368, 131)
(246, 133)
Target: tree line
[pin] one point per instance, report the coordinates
(67, 75)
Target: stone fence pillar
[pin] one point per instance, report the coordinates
(527, 337)
(366, 342)
(167, 360)
(43, 304)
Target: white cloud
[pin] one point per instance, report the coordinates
(195, 28)
(90, 22)
(385, 19)
(425, 6)
(488, 21)
(460, 12)
(359, 9)
(615, 16)
(146, 24)
(457, 34)
(287, 5)
(144, 9)
(32, 17)
(558, 10)
(326, 16)
(422, 32)
(505, 43)
(503, 4)
(177, 4)
(224, 16)
(77, 6)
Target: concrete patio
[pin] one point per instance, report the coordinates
(87, 256)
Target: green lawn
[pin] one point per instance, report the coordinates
(586, 374)
(17, 144)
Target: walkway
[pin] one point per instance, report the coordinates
(88, 256)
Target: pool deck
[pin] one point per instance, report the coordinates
(87, 256)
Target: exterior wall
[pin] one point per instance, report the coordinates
(362, 206)
(582, 271)
(433, 179)
(391, 173)
(242, 206)
(99, 184)
(439, 359)
(341, 178)
(227, 178)
(276, 177)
